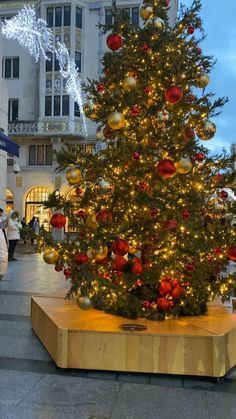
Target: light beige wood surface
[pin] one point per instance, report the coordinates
(201, 345)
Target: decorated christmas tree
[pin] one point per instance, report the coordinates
(153, 234)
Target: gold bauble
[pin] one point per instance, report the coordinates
(73, 176)
(158, 22)
(84, 303)
(91, 221)
(51, 256)
(116, 120)
(129, 83)
(146, 12)
(206, 131)
(98, 254)
(184, 166)
(202, 81)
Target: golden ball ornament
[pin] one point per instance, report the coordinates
(184, 166)
(146, 12)
(206, 131)
(116, 120)
(203, 80)
(158, 22)
(129, 83)
(91, 221)
(51, 256)
(73, 175)
(84, 303)
(98, 254)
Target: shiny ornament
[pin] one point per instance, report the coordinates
(199, 50)
(218, 177)
(98, 254)
(177, 293)
(170, 225)
(119, 263)
(189, 134)
(174, 94)
(80, 213)
(90, 109)
(58, 221)
(202, 81)
(104, 216)
(163, 115)
(166, 168)
(185, 214)
(91, 221)
(231, 253)
(146, 12)
(145, 48)
(114, 41)
(129, 83)
(120, 247)
(108, 133)
(217, 251)
(58, 268)
(137, 268)
(199, 157)
(189, 266)
(73, 176)
(136, 156)
(81, 258)
(116, 120)
(67, 272)
(184, 166)
(51, 256)
(84, 303)
(164, 288)
(100, 87)
(147, 90)
(159, 23)
(190, 30)
(135, 111)
(206, 131)
(167, 4)
(79, 191)
(163, 304)
(154, 212)
(224, 194)
(143, 186)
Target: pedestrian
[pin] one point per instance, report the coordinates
(3, 245)
(13, 233)
(34, 225)
(23, 222)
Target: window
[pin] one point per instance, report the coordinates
(65, 105)
(135, 16)
(57, 105)
(132, 14)
(13, 109)
(48, 155)
(109, 17)
(78, 18)
(56, 64)
(50, 16)
(32, 155)
(78, 60)
(76, 110)
(66, 15)
(49, 61)
(11, 68)
(48, 105)
(40, 155)
(58, 16)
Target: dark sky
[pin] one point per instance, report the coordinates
(219, 25)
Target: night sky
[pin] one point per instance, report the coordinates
(220, 28)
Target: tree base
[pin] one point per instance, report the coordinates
(198, 345)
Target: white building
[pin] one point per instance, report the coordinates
(41, 114)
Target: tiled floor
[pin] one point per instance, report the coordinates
(32, 387)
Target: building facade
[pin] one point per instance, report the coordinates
(40, 113)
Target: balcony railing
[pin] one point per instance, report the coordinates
(43, 128)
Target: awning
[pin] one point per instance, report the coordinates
(8, 145)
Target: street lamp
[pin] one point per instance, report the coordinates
(16, 167)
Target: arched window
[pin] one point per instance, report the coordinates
(34, 206)
(9, 200)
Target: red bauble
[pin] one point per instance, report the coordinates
(231, 253)
(138, 283)
(190, 98)
(114, 41)
(189, 266)
(120, 247)
(100, 87)
(167, 2)
(217, 250)
(80, 213)
(105, 216)
(108, 133)
(136, 156)
(218, 177)
(79, 191)
(199, 157)
(170, 225)
(143, 186)
(177, 293)
(224, 194)
(135, 111)
(154, 212)
(185, 214)
(58, 221)
(199, 50)
(174, 94)
(164, 288)
(147, 305)
(175, 283)
(166, 168)
(58, 268)
(67, 272)
(81, 258)
(137, 268)
(119, 263)
(163, 304)
(147, 90)
(190, 30)
(189, 134)
(145, 48)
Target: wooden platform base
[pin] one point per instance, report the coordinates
(202, 345)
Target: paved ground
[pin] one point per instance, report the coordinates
(32, 387)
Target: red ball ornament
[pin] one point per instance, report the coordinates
(143, 186)
(177, 293)
(175, 283)
(108, 133)
(164, 288)
(147, 305)
(81, 258)
(174, 94)
(136, 156)
(120, 247)
(79, 191)
(166, 168)
(170, 225)
(224, 194)
(137, 268)
(58, 268)
(189, 134)
(114, 41)
(147, 90)
(100, 87)
(145, 48)
(67, 272)
(135, 111)
(80, 213)
(119, 263)
(167, 2)
(154, 212)
(199, 157)
(104, 216)
(58, 221)
(231, 253)
(163, 304)
(218, 177)
(185, 214)
(190, 98)
(217, 250)
(189, 266)
(199, 50)
(190, 30)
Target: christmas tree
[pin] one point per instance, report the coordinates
(152, 212)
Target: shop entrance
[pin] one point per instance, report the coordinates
(34, 207)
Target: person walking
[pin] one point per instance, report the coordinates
(13, 234)
(3, 245)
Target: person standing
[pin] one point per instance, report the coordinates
(13, 234)
(3, 245)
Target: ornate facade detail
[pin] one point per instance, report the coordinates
(24, 127)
